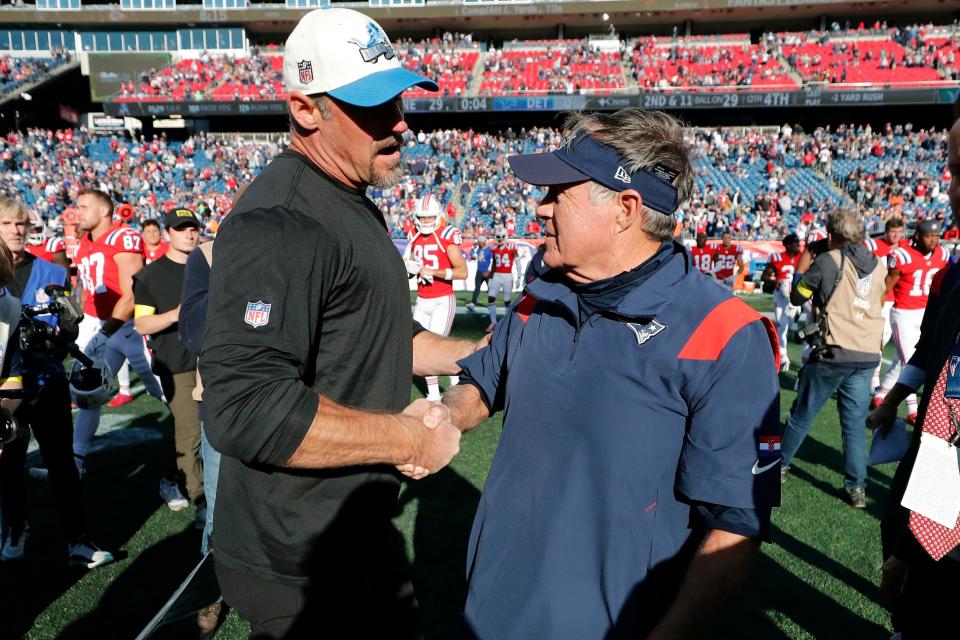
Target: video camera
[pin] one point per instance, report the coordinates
(42, 345)
(40, 338)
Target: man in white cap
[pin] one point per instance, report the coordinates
(308, 358)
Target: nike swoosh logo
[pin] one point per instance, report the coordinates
(757, 470)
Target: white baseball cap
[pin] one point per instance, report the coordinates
(347, 55)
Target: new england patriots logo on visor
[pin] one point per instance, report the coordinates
(645, 331)
(258, 314)
(305, 67)
(377, 44)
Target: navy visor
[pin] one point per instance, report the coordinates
(585, 158)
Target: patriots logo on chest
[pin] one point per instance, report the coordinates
(644, 332)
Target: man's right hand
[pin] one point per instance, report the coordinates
(436, 439)
(893, 575)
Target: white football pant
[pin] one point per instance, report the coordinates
(436, 315)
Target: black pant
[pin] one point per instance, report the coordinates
(48, 416)
(353, 608)
(926, 603)
(478, 280)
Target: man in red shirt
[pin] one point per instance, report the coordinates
(910, 272)
(501, 282)
(778, 275)
(51, 249)
(881, 247)
(702, 255)
(433, 256)
(154, 246)
(106, 260)
(728, 260)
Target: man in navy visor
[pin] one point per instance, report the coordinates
(639, 460)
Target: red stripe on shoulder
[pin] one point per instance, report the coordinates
(721, 324)
(525, 307)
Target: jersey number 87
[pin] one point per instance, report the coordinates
(90, 272)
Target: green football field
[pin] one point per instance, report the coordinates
(818, 579)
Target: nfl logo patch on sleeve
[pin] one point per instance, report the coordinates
(258, 314)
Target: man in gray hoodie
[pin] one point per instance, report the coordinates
(847, 287)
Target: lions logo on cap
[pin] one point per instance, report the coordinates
(376, 45)
(305, 67)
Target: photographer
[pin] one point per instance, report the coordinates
(46, 410)
(847, 287)
(10, 378)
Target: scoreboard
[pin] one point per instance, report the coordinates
(674, 100)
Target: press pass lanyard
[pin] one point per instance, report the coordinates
(952, 392)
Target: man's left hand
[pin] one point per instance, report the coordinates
(882, 417)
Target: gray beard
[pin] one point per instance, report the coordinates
(384, 180)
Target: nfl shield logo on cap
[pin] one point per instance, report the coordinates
(258, 314)
(306, 71)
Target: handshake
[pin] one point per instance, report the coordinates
(435, 438)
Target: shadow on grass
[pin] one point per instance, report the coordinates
(772, 589)
(137, 593)
(120, 494)
(816, 558)
(446, 504)
(815, 452)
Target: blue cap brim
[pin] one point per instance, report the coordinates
(380, 87)
(543, 169)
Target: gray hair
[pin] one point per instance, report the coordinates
(322, 102)
(14, 208)
(846, 225)
(643, 138)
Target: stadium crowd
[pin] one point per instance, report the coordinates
(662, 65)
(758, 184)
(567, 66)
(464, 66)
(450, 60)
(16, 72)
(611, 208)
